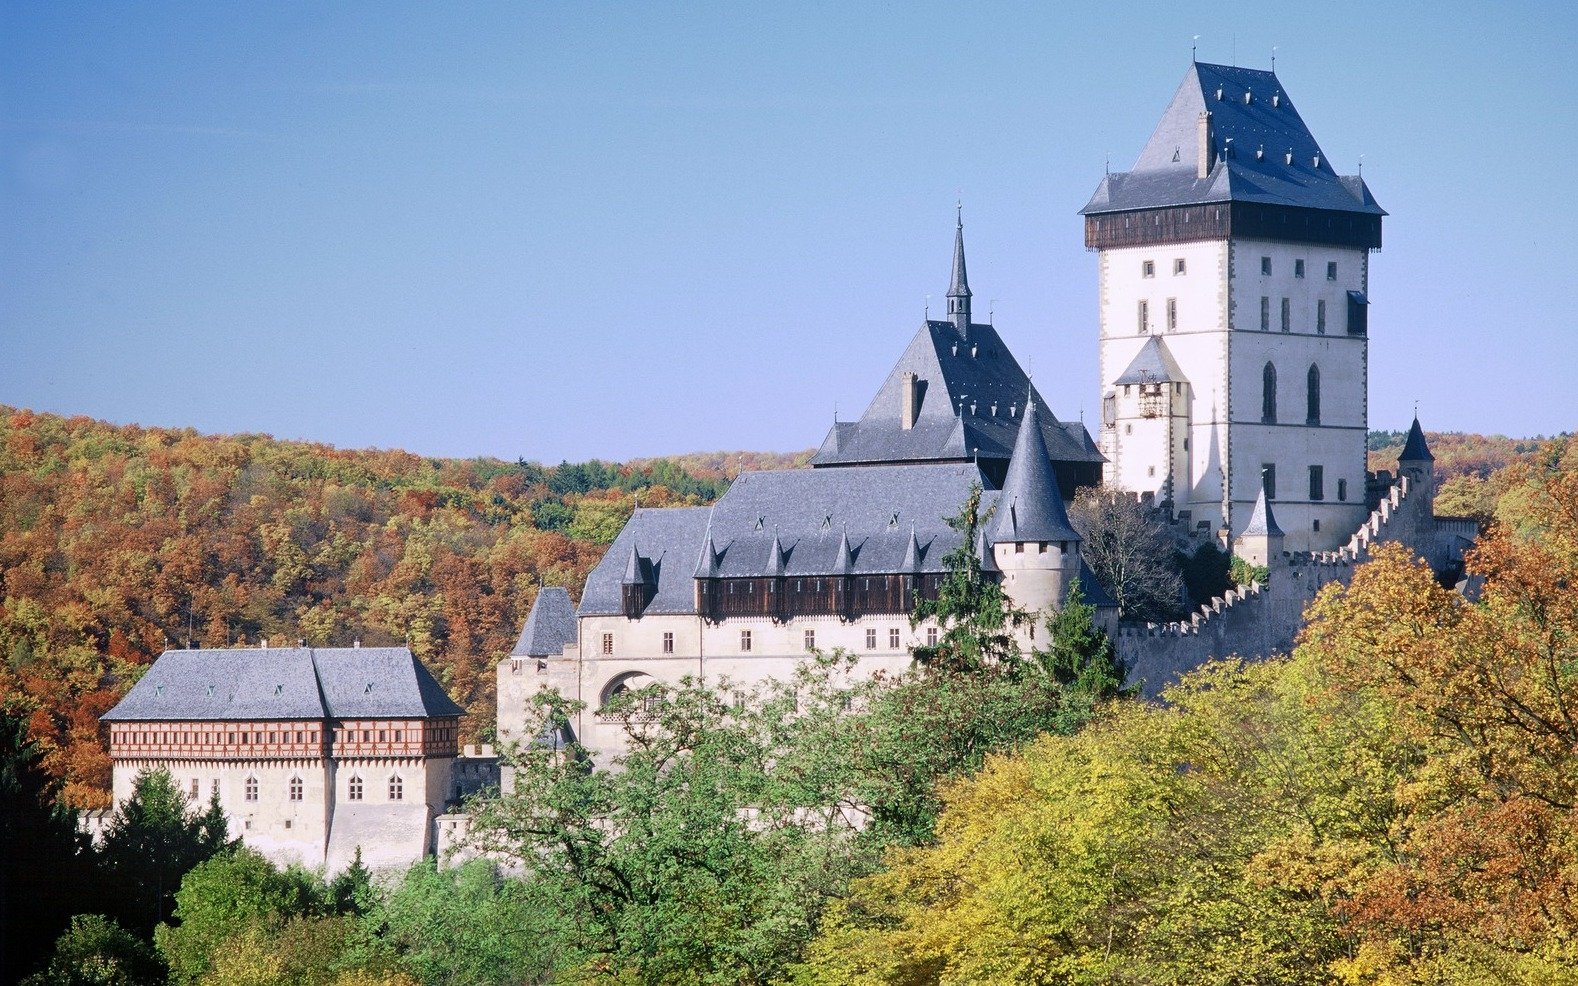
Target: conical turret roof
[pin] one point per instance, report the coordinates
(844, 562)
(634, 571)
(1262, 523)
(1416, 449)
(912, 554)
(707, 563)
(1030, 507)
(775, 558)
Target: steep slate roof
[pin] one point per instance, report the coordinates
(1262, 522)
(1165, 173)
(1416, 449)
(285, 683)
(960, 384)
(550, 626)
(1153, 364)
(794, 522)
(1030, 507)
(960, 285)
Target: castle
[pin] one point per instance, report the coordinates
(1234, 279)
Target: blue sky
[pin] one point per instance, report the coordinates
(572, 230)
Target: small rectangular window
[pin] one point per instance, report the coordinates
(871, 639)
(931, 632)
(668, 642)
(1265, 314)
(1317, 483)
(745, 640)
(1179, 267)
(1342, 489)
(1298, 268)
(1265, 265)
(1331, 270)
(1268, 479)
(1172, 314)
(810, 640)
(1145, 316)
(1287, 315)
(608, 643)
(1320, 316)
(194, 789)
(215, 788)
(1148, 268)
(893, 638)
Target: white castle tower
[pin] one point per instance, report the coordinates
(1234, 272)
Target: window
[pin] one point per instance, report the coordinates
(1358, 313)
(354, 789)
(295, 789)
(1172, 314)
(194, 789)
(871, 639)
(1265, 266)
(1179, 267)
(1316, 527)
(252, 789)
(931, 632)
(608, 643)
(668, 642)
(1298, 268)
(1148, 268)
(396, 788)
(1342, 489)
(810, 640)
(1019, 547)
(1268, 479)
(1317, 483)
(1331, 270)
(1320, 316)
(745, 640)
(1145, 316)
(383, 735)
(1287, 315)
(399, 735)
(1312, 410)
(1265, 314)
(893, 638)
(1268, 395)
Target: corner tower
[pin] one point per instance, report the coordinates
(1233, 284)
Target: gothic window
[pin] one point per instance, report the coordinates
(1265, 314)
(354, 790)
(252, 789)
(296, 788)
(1317, 483)
(1312, 413)
(1268, 479)
(1268, 395)
(396, 788)
(1320, 316)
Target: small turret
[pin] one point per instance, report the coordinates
(638, 584)
(1261, 540)
(1416, 462)
(959, 288)
(1032, 542)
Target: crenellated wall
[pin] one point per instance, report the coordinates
(1262, 620)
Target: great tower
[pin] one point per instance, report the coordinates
(1233, 295)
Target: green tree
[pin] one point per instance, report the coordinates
(351, 891)
(974, 614)
(153, 840)
(95, 951)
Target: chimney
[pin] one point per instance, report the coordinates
(908, 408)
(1203, 160)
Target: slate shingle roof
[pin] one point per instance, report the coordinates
(1154, 363)
(285, 683)
(1030, 507)
(550, 626)
(1416, 449)
(1262, 522)
(1166, 172)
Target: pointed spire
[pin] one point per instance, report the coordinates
(634, 575)
(775, 558)
(912, 554)
(1030, 507)
(844, 561)
(959, 289)
(1416, 449)
(707, 564)
(1262, 522)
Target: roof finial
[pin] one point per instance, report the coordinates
(928, 308)
(1273, 59)
(991, 311)
(1192, 46)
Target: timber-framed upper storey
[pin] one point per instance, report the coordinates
(1225, 220)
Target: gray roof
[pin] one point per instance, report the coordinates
(1030, 507)
(285, 683)
(1251, 143)
(550, 626)
(1416, 449)
(972, 397)
(1262, 522)
(794, 522)
(1094, 593)
(1154, 363)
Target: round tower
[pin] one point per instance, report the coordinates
(1032, 544)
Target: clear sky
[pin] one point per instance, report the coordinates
(571, 230)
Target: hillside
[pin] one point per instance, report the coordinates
(116, 542)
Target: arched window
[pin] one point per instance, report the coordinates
(252, 789)
(1268, 395)
(355, 788)
(296, 788)
(396, 788)
(1312, 415)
